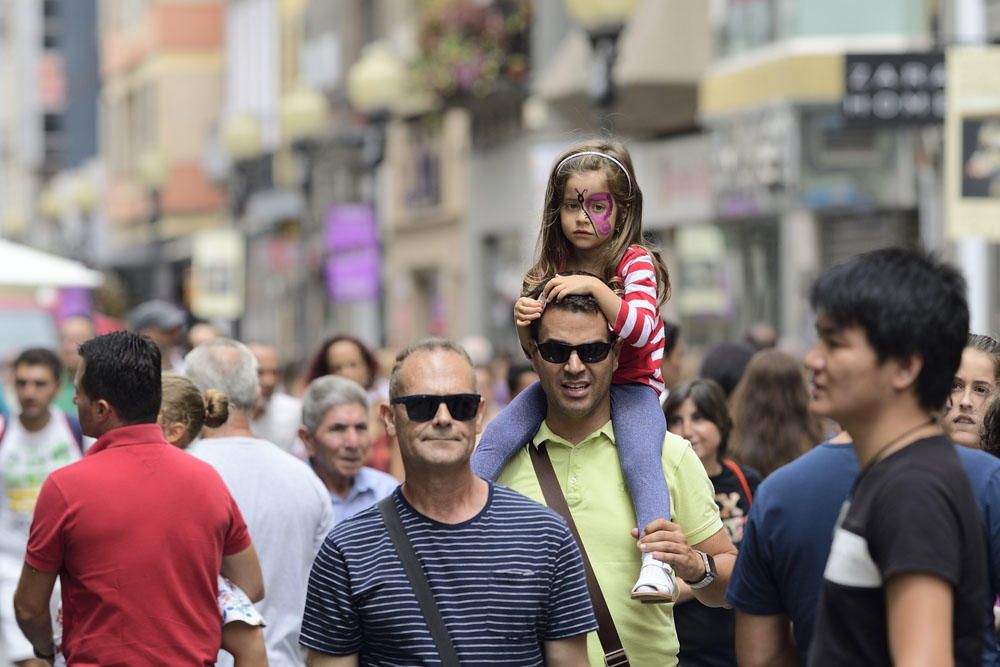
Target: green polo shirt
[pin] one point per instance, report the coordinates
(592, 481)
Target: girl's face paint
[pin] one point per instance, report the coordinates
(598, 208)
(596, 226)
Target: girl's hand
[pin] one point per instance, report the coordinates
(526, 310)
(562, 286)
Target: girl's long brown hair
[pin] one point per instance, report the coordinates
(772, 424)
(554, 251)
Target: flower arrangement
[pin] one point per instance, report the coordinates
(469, 47)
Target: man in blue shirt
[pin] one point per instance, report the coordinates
(335, 417)
(786, 542)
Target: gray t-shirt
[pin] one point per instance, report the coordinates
(288, 512)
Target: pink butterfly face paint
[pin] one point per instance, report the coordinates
(598, 208)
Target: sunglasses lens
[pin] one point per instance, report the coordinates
(422, 408)
(462, 407)
(591, 353)
(558, 353)
(555, 353)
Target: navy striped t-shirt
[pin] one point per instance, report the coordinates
(505, 581)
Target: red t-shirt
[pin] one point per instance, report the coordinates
(137, 530)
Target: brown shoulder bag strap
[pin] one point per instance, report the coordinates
(614, 653)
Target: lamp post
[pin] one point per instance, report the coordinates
(375, 84)
(603, 21)
(85, 196)
(241, 139)
(303, 117)
(153, 175)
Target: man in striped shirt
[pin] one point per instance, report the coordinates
(505, 571)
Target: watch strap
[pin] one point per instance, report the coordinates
(710, 572)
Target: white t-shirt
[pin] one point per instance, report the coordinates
(26, 459)
(288, 512)
(280, 421)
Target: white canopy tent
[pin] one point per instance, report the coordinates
(22, 266)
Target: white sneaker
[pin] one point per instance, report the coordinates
(656, 582)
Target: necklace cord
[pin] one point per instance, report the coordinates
(895, 441)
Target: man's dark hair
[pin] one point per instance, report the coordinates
(514, 373)
(908, 303)
(123, 369)
(40, 356)
(724, 363)
(671, 335)
(574, 303)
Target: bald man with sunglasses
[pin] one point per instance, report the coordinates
(575, 355)
(504, 572)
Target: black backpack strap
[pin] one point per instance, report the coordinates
(415, 573)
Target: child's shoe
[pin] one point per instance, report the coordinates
(656, 582)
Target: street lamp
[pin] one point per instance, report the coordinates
(603, 21)
(242, 141)
(375, 85)
(153, 175)
(50, 204)
(85, 196)
(303, 117)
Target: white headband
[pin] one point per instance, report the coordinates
(598, 154)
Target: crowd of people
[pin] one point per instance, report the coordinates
(184, 500)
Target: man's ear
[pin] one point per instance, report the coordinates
(616, 349)
(906, 371)
(388, 418)
(307, 439)
(103, 409)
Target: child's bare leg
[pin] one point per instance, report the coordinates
(245, 643)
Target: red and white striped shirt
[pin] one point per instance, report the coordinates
(639, 323)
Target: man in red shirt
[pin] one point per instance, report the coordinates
(137, 531)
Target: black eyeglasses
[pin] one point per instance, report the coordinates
(423, 407)
(559, 353)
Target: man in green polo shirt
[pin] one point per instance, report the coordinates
(580, 442)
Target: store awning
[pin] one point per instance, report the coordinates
(662, 53)
(22, 266)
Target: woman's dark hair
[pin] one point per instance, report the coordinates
(318, 366)
(709, 400)
(123, 369)
(772, 424)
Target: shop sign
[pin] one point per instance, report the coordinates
(676, 180)
(352, 265)
(972, 143)
(218, 260)
(894, 88)
(751, 162)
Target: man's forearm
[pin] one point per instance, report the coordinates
(38, 629)
(714, 595)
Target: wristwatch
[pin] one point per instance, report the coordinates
(710, 572)
(44, 656)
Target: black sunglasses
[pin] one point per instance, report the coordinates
(559, 353)
(423, 407)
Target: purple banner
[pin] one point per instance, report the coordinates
(350, 226)
(352, 266)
